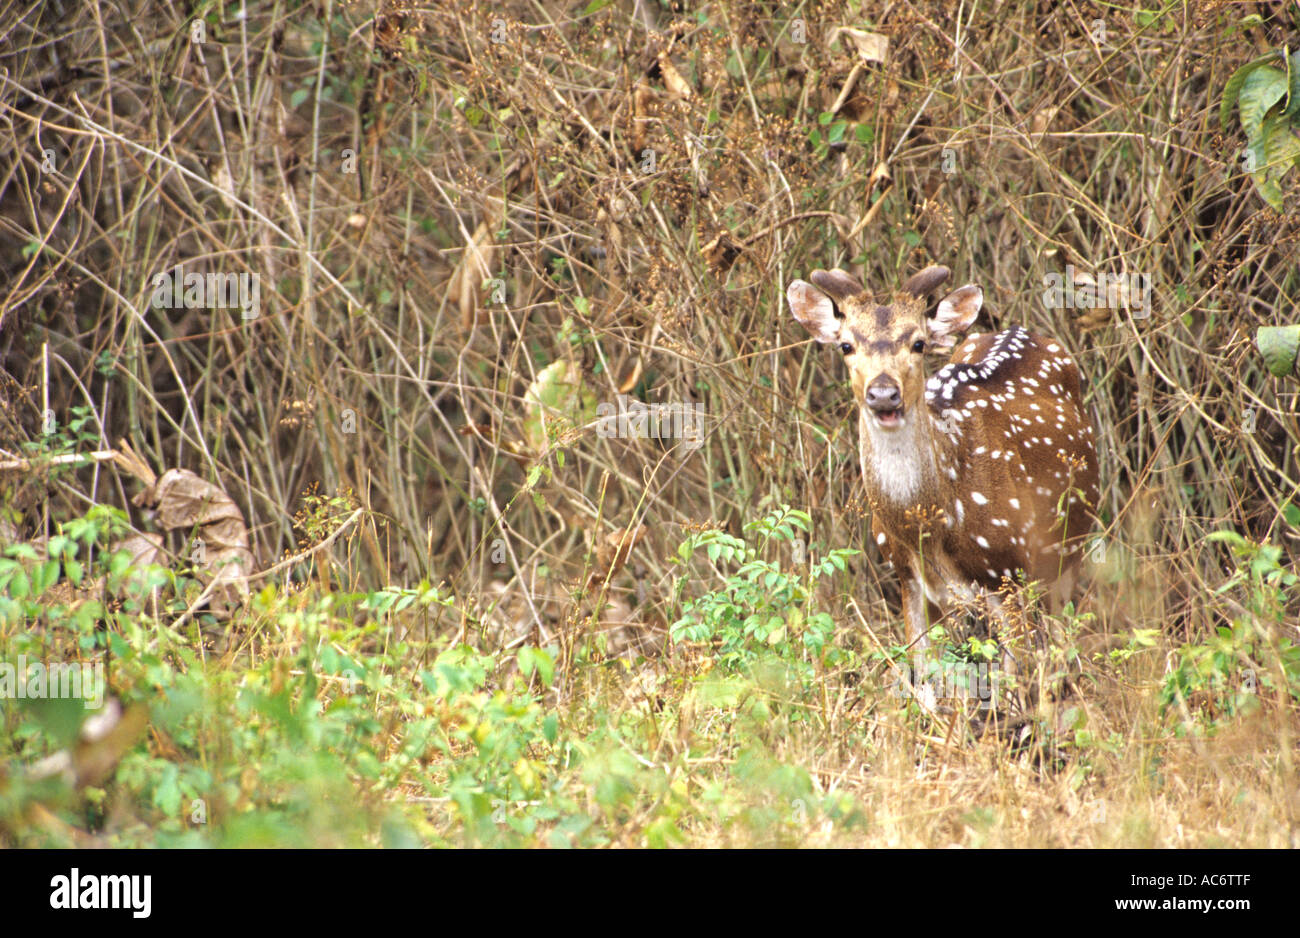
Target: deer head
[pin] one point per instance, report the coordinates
(884, 346)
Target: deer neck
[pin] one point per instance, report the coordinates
(907, 467)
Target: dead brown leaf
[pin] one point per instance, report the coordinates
(186, 501)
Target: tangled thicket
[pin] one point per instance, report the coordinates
(443, 202)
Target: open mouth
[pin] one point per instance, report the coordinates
(889, 418)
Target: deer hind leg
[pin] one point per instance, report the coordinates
(1022, 690)
(1040, 678)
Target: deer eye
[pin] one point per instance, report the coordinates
(918, 346)
(846, 347)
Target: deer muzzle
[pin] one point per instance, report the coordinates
(885, 401)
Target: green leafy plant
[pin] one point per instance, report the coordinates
(762, 606)
(1266, 93)
(1226, 675)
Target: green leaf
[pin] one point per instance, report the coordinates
(1293, 96)
(118, 646)
(1263, 88)
(167, 796)
(45, 576)
(1281, 146)
(536, 660)
(1232, 90)
(1279, 345)
(22, 551)
(1291, 513)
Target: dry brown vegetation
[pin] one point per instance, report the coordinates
(440, 202)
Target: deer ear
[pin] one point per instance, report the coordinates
(955, 314)
(814, 309)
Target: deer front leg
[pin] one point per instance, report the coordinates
(915, 625)
(914, 618)
(918, 638)
(914, 608)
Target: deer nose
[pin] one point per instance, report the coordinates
(883, 395)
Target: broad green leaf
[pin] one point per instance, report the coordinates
(44, 576)
(1278, 345)
(1281, 146)
(1263, 88)
(1232, 90)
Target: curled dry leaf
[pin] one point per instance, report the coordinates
(613, 552)
(870, 47)
(145, 548)
(721, 252)
(186, 501)
(1041, 120)
(466, 283)
(642, 110)
(557, 400)
(632, 377)
(673, 80)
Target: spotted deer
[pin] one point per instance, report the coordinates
(981, 474)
